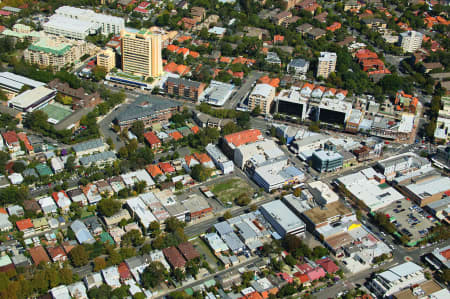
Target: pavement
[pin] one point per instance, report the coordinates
(243, 91)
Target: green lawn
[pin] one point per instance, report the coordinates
(203, 248)
(229, 190)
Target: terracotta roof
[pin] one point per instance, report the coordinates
(180, 69)
(328, 265)
(202, 157)
(56, 197)
(184, 38)
(153, 170)
(183, 51)
(172, 48)
(174, 257)
(166, 167)
(39, 255)
(23, 137)
(24, 224)
(188, 251)
(10, 137)
(195, 129)
(308, 85)
(188, 159)
(278, 38)
(124, 271)
(335, 26)
(243, 137)
(194, 54)
(3, 211)
(151, 138)
(55, 251)
(225, 59)
(176, 135)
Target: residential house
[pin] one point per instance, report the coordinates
(57, 254)
(62, 200)
(81, 232)
(92, 194)
(77, 196)
(38, 255)
(48, 205)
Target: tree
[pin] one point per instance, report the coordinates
(153, 275)
(179, 275)
(320, 251)
(137, 128)
(192, 268)
(132, 238)
(256, 111)
(243, 200)
(109, 206)
(200, 173)
(79, 256)
(178, 185)
(99, 264)
(227, 215)
(98, 73)
(290, 260)
(18, 167)
(154, 228)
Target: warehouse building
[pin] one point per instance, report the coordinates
(283, 220)
(32, 99)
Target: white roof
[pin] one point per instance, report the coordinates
(15, 178)
(111, 276)
(406, 124)
(88, 14)
(140, 209)
(324, 56)
(400, 271)
(217, 30)
(216, 242)
(131, 178)
(60, 292)
(283, 215)
(262, 90)
(431, 187)
(17, 82)
(68, 24)
(29, 97)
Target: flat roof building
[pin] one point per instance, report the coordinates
(33, 99)
(13, 83)
(217, 93)
(261, 96)
(325, 161)
(283, 219)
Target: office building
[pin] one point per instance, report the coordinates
(106, 59)
(426, 189)
(289, 101)
(217, 93)
(275, 174)
(184, 88)
(410, 41)
(57, 52)
(402, 164)
(32, 99)
(324, 160)
(326, 64)
(395, 279)
(261, 96)
(334, 111)
(220, 160)
(78, 23)
(283, 220)
(141, 53)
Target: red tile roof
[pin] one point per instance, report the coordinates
(328, 265)
(166, 167)
(184, 51)
(172, 48)
(10, 137)
(278, 38)
(5, 13)
(24, 224)
(124, 271)
(180, 69)
(56, 197)
(39, 255)
(188, 159)
(151, 138)
(153, 170)
(202, 157)
(3, 211)
(55, 251)
(2, 28)
(188, 251)
(23, 137)
(302, 277)
(184, 38)
(316, 273)
(225, 59)
(335, 26)
(195, 129)
(194, 54)
(244, 137)
(176, 135)
(174, 257)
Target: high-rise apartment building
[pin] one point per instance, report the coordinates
(141, 53)
(326, 64)
(261, 96)
(107, 59)
(410, 41)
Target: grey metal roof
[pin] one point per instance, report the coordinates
(81, 232)
(233, 241)
(299, 62)
(223, 228)
(179, 81)
(99, 157)
(91, 144)
(14, 81)
(145, 106)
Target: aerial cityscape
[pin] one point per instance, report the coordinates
(224, 149)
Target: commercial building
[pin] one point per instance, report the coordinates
(440, 209)
(410, 41)
(233, 141)
(322, 193)
(369, 187)
(329, 215)
(333, 111)
(326, 64)
(106, 59)
(252, 155)
(402, 164)
(141, 53)
(148, 109)
(197, 206)
(395, 279)
(261, 96)
(184, 88)
(284, 221)
(78, 23)
(217, 93)
(275, 174)
(289, 101)
(439, 258)
(32, 99)
(220, 160)
(442, 157)
(426, 189)
(326, 160)
(139, 210)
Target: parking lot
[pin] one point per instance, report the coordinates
(409, 219)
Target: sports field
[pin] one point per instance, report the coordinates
(56, 112)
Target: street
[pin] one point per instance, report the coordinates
(242, 92)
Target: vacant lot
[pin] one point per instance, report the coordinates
(229, 190)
